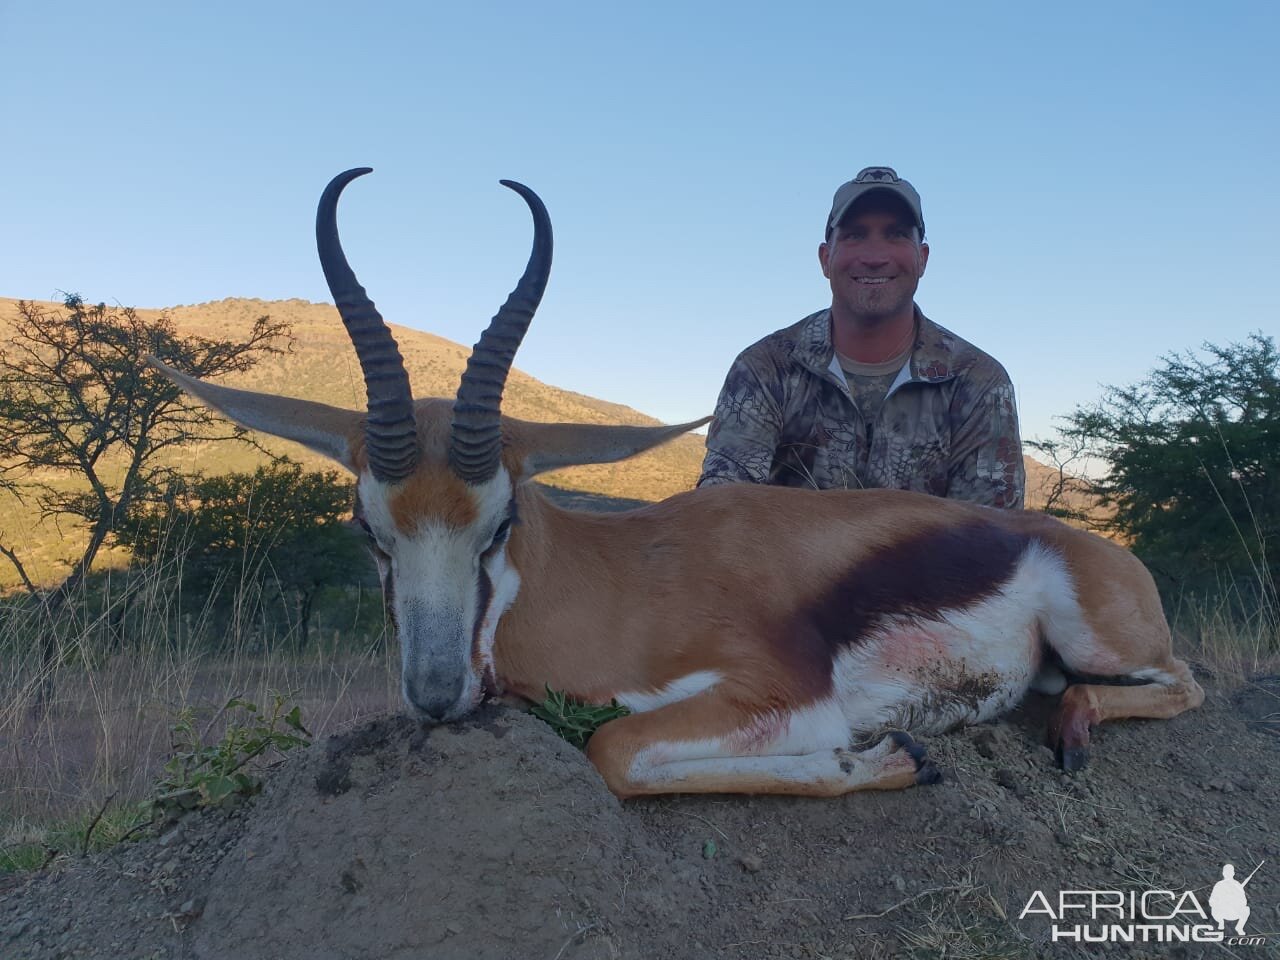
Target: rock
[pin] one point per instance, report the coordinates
(985, 740)
(1008, 780)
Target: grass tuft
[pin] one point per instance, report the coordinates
(573, 720)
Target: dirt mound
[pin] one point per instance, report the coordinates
(493, 838)
(397, 841)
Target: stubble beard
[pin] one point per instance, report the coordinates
(870, 307)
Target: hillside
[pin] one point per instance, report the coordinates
(322, 366)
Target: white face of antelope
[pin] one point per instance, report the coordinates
(433, 493)
(441, 547)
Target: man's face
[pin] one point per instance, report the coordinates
(874, 261)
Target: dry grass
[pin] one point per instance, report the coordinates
(93, 725)
(958, 919)
(1230, 647)
(1235, 632)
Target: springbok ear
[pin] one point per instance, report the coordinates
(327, 430)
(549, 446)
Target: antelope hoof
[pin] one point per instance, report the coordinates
(1069, 731)
(1072, 759)
(926, 772)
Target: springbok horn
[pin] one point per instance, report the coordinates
(391, 437)
(475, 445)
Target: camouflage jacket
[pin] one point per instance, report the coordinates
(947, 427)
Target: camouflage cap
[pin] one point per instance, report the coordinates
(870, 180)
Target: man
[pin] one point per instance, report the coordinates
(870, 392)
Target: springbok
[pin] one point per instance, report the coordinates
(768, 640)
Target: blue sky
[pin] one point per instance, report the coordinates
(1099, 180)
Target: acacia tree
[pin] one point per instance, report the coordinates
(1062, 493)
(1193, 453)
(78, 402)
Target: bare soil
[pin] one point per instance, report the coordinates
(492, 838)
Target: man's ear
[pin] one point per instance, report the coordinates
(924, 256)
(823, 254)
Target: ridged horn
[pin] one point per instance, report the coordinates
(391, 436)
(475, 445)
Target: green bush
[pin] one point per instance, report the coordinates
(277, 537)
(211, 775)
(1193, 470)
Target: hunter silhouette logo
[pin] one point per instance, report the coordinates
(1228, 901)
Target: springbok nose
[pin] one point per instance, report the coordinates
(433, 696)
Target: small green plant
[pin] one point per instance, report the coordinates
(202, 775)
(574, 720)
(26, 846)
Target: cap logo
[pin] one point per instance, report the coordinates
(877, 175)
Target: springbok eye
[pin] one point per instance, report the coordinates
(500, 534)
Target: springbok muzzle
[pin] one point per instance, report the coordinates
(437, 695)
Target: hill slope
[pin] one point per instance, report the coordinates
(322, 366)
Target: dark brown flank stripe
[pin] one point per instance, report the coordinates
(936, 571)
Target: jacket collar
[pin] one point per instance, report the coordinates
(934, 357)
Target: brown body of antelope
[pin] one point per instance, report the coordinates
(768, 640)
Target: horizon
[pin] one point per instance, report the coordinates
(1077, 171)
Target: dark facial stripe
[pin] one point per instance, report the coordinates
(388, 589)
(485, 593)
(483, 596)
(383, 563)
(939, 570)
